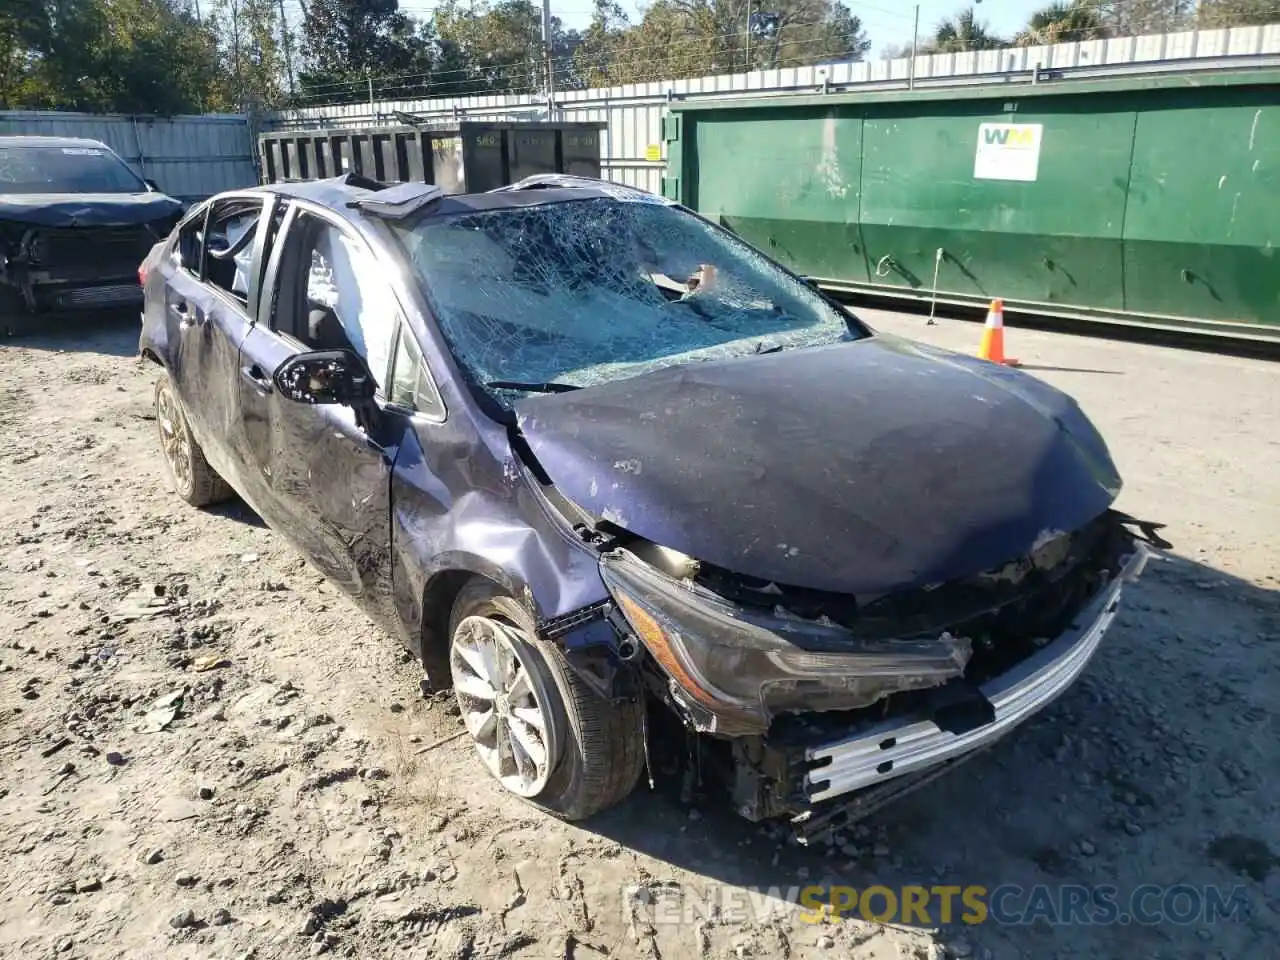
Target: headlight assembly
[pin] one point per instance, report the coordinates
(745, 666)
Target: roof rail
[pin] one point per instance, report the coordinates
(568, 181)
(399, 201)
(551, 181)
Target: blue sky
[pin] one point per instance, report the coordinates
(888, 22)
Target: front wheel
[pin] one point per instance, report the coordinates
(538, 728)
(15, 320)
(189, 472)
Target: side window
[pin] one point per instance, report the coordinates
(341, 300)
(228, 248)
(411, 385)
(191, 242)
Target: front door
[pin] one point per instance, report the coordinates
(321, 479)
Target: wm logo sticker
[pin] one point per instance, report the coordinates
(1008, 151)
(1007, 135)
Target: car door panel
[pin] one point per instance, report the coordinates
(205, 327)
(310, 470)
(221, 330)
(317, 477)
(261, 353)
(190, 359)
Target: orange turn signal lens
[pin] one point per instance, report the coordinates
(655, 638)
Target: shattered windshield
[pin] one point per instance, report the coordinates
(41, 169)
(576, 293)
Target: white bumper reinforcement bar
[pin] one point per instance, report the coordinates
(894, 748)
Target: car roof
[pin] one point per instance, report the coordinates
(43, 141)
(339, 194)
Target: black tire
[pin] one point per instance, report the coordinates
(15, 319)
(201, 485)
(602, 753)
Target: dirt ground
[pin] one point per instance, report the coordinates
(295, 797)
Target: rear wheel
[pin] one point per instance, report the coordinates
(189, 472)
(538, 728)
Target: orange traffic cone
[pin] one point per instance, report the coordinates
(993, 337)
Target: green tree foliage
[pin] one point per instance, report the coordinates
(129, 55)
(251, 52)
(346, 43)
(1067, 21)
(1236, 13)
(498, 48)
(962, 33)
(690, 38)
(186, 56)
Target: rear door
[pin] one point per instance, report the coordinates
(210, 299)
(322, 480)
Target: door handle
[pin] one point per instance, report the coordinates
(259, 380)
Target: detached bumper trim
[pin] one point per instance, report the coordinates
(894, 749)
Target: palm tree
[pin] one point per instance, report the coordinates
(1063, 22)
(963, 32)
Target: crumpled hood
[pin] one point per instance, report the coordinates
(859, 468)
(86, 209)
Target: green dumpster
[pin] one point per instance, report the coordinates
(1151, 200)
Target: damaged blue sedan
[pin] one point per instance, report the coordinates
(621, 481)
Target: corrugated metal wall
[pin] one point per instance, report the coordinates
(633, 150)
(190, 157)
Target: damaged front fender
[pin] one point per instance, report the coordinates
(735, 668)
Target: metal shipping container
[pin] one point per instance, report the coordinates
(465, 158)
(1149, 200)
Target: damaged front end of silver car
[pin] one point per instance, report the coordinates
(821, 708)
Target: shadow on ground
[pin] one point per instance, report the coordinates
(1157, 767)
(112, 333)
(236, 509)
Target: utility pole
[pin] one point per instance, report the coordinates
(288, 55)
(915, 36)
(546, 47)
(235, 40)
(748, 63)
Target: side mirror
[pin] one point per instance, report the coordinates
(153, 186)
(326, 376)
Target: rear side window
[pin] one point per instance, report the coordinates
(191, 241)
(228, 249)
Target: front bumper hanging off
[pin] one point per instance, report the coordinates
(848, 778)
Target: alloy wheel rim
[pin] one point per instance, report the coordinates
(174, 440)
(507, 703)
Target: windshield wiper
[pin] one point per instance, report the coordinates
(532, 387)
(761, 348)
